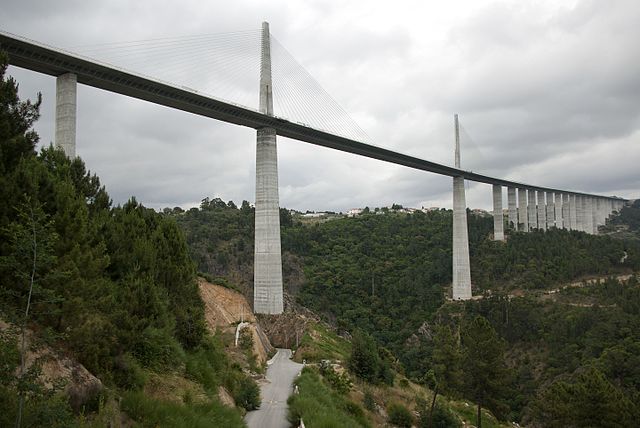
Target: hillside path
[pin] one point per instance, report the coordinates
(274, 391)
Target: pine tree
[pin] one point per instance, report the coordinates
(446, 365)
(485, 370)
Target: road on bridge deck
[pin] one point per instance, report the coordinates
(275, 391)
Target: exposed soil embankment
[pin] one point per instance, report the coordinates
(55, 369)
(225, 308)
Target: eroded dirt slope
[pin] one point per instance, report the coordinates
(225, 308)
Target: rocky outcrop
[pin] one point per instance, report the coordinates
(56, 369)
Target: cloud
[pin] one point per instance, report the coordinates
(547, 93)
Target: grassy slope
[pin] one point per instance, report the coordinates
(321, 406)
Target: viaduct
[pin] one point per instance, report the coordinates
(529, 207)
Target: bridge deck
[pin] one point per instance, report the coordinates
(45, 59)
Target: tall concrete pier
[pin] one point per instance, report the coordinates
(523, 222)
(542, 211)
(66, 107)
(513, 208)
(461, 266)
(551, 212)
(267, 268)
(531, 209)
(560, 213)
(573, 212)
(594, 215)
(498, 218)
(581, 223)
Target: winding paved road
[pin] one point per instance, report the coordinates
(275, 391)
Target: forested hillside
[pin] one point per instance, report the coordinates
(113, 288)
(389, 274)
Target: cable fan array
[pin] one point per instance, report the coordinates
(226, 66)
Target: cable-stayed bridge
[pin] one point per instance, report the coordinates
(291, 104)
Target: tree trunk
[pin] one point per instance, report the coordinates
(479, 415)
(433, 405)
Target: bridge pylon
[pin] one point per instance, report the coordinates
(267, 267)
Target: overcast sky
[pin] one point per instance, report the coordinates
(548, 93)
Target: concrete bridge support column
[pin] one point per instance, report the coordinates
(573, 212)
(461, 266)
(604, 213)
(513, 210)
(562, 211)
(594, 215)
(551, 212)
(542, 211)
(597, 207)
(498, 218)
(531, 209)
(66, 107)
(523, 222)
(267, 269)
(559, 210)
(588, 214)
(581, 205)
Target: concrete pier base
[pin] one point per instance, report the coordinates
(498, 217)
(513, 208)
(66, 107)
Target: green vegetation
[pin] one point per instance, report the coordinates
(587, 399)
(113, 286)
(484, 367)
(368, 361)
(445, 376)
(152, 413)
(387, 275)
(549, 341)
(318, 405)
(399, 415)
(542, 259)
(320, 343)
(626, 224)
(467, 411)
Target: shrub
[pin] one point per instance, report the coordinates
(320, 406)
(443, 417)
(153, 413)
(247, 394)
(341, 382)
(369, 402)
(158, 348)
(399, 415)
(246, 339)
(127, 373)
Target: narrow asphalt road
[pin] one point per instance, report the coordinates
(274, 391)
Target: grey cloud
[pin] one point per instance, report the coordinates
(548, 95)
